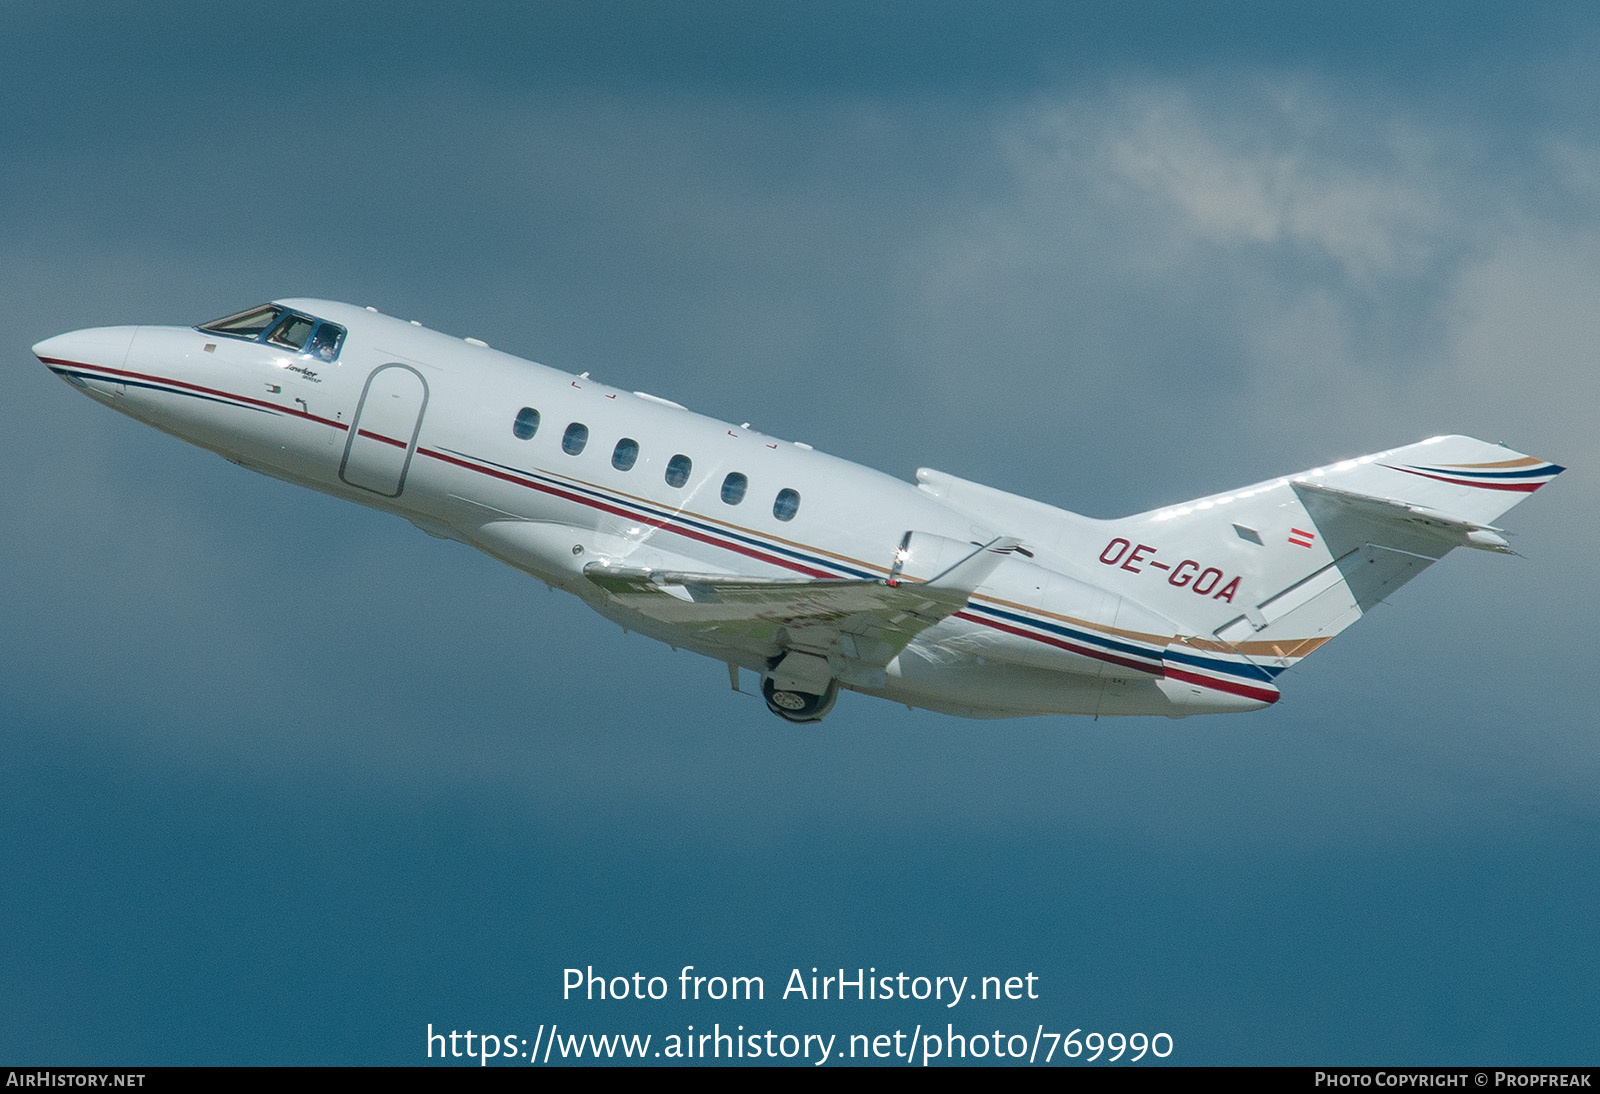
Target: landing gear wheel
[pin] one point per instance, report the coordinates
(791, 701)
(799, 706)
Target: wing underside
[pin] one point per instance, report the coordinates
(858, 625)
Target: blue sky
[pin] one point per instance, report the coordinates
(286, 780)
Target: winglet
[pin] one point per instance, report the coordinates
(965, 576)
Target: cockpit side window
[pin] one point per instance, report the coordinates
(246, 324)
(292, 332)
(325, 343)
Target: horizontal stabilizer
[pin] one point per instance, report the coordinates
(1450, 531)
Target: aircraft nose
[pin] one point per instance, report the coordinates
(103, 346)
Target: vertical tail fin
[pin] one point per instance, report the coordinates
(1283, 566)
(1261, 576)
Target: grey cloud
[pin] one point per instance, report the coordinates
(1015, 294)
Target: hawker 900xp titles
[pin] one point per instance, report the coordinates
(813, 572)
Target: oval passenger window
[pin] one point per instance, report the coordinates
(527, 423)
(625, 454)
(573, 440)
(786, 505)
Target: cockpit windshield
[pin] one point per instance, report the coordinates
(247, 324)
(278, 326)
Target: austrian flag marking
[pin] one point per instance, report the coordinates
(1301, 538)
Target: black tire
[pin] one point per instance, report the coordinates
(799, 706)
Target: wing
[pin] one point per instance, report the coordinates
(858, 624)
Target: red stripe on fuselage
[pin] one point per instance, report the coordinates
(1086, 651)
(654, 522)
(1232, 686)
(690, 533)
(196, 387)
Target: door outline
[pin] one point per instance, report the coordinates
(355, 433)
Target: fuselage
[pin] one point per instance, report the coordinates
(553, 473)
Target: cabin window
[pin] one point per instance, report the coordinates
(573, 440)
(625, 454)
(786, 505)
(527, 423)
(733, 488)
(678, 470)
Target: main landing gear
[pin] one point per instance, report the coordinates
(799, 706)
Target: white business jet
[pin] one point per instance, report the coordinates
(814, 572)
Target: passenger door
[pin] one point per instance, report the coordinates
(383, 434)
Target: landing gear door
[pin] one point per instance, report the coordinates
(383, 434)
